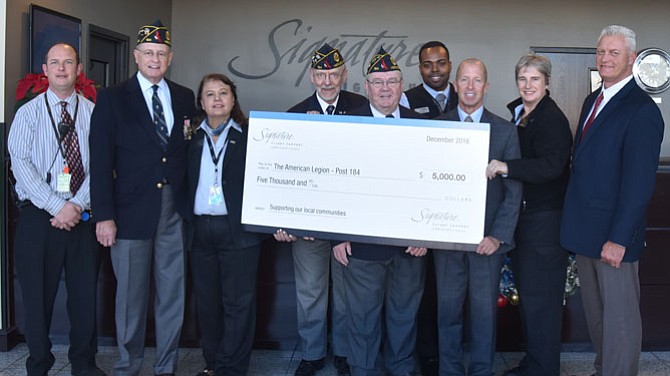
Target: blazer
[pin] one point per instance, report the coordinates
(419, 99)
(128, 164)
(613, 174)
(545, 139)
(503, 196)
(366, 251)
(345, 103)
(232, 182)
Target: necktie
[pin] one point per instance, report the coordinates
(72, 153)
(440, 98)
(589, 121)
(390, 116)
(468, 119)
(330, 109)
(159, 118)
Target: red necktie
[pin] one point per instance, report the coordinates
(72, 153)
(589, 121)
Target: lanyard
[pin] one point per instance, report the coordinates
(215, 156)
(58, 135)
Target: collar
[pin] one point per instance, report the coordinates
(476, 115)
(232, 124)
(325, 104)
(54, 100)
(375, 113)
(433, 93)
(146, 85)
(614, 89)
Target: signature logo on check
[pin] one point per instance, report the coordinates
(428, 216)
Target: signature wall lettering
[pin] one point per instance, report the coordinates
(357, 50)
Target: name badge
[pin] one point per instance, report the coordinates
(422, 110)
(215, 195)
(63, 182)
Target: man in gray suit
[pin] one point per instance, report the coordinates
(475, 276)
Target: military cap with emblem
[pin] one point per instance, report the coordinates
(382, 62)
(327, 57)
(154, 33)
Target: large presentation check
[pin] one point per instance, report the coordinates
(376, 180)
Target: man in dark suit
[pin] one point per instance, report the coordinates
(383, 283)
(433, 98)
(436, 95)
(614, 162)
(312, 257)
(138, 196)
(474, 276)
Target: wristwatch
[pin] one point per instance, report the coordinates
(651, 70)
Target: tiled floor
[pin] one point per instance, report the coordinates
(275, 363)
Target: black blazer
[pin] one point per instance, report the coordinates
(232, 181)
(367, 251)
(420, 100)
(545, 139)
(128, 162)
(346, 101)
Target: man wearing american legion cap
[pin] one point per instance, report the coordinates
(312, 258)
(382, 277)
(138, 167)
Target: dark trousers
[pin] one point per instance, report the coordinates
(224, 281)
(41, 252)
(539, 264)
(426, 318)
(383, 296)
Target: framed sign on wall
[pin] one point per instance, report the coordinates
(48, 27)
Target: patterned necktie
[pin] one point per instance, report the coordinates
(330, 109)
(589, 121)
(468, 119)
(440, 98)
(159, 118)
(72, 153)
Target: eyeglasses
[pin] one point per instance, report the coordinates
(378, 84)
(150, 54)
(333, 76)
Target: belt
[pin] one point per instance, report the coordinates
(85, 215)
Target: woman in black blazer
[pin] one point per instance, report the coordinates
(223, 257)
(539, 261)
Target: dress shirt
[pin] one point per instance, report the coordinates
(433, 93)
(608, 94)
(207, 176)
(34, 151)
(325, 104)
(163, 94)
(375, 113)
(476, 115)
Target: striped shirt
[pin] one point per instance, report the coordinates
(33, 148)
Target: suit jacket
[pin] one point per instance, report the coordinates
(503, 196)
(128, 162)
(345, 103)
(420, 100)
(613, 174)
(232, 182)
(367, 251)
(545, 139)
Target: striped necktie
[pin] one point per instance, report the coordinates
(159, 118)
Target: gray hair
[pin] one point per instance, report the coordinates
(622, 31)
(473, 61)
(539, 62)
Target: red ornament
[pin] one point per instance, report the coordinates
(502, 301)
